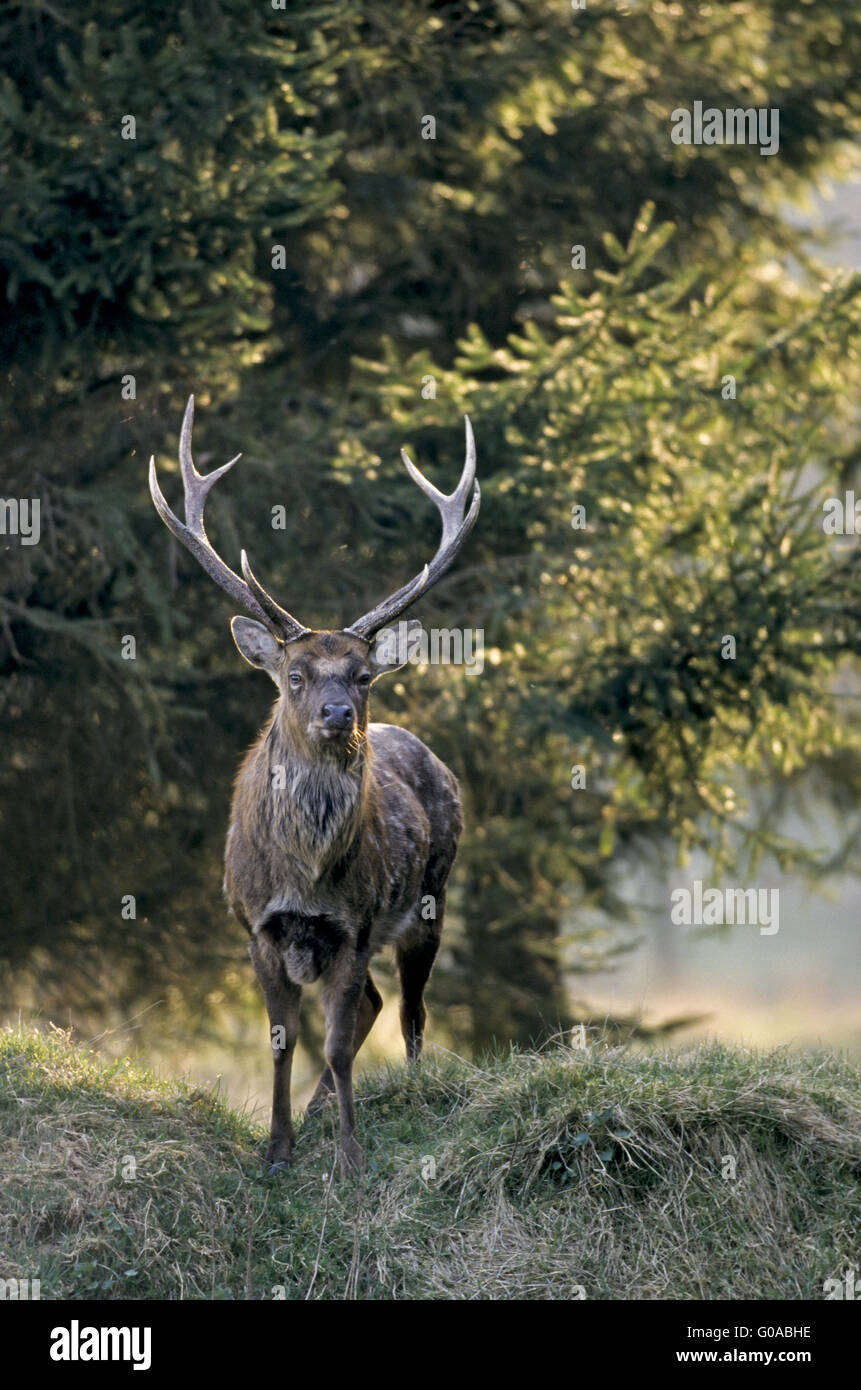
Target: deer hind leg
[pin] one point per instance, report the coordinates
(415, 962)
(369, 1007)
(282, 1004)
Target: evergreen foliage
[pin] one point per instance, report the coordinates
(280, 238)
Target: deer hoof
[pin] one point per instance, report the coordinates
(352, 1158)
(280, 1166)
(279, 1156)
(317, 1102)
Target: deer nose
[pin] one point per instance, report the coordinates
(337, 716)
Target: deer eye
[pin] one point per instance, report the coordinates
(295, 680)
(364, 679)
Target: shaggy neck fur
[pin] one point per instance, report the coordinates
(315, 806)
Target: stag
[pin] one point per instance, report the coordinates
(342, 833)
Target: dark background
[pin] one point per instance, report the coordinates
(407, 259)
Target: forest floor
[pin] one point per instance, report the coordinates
(707, 1173)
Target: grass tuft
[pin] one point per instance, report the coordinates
(711, 1173)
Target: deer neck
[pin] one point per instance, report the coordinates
(315, 804)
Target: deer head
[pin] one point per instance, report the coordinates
(323, 676)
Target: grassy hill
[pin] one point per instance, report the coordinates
(532, 1176)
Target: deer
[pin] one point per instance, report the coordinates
(342, 832)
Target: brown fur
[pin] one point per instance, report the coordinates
(334, 843)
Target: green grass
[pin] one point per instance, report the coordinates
(528, 1177)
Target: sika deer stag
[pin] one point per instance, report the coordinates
(340, 830)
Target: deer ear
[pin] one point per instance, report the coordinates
(394, 647)
(257, 645)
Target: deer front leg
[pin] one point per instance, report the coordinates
(342, 995)
(369, 1007)
(282, 1004)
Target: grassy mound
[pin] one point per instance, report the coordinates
(714, 1173)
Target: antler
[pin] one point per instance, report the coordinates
(455, 529)
(247, 592)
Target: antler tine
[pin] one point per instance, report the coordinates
(455, 529)
(450, 507)
(196, 486)
(276, 613)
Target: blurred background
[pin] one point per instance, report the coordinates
(343, 225)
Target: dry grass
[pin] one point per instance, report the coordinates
(533, 1176)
